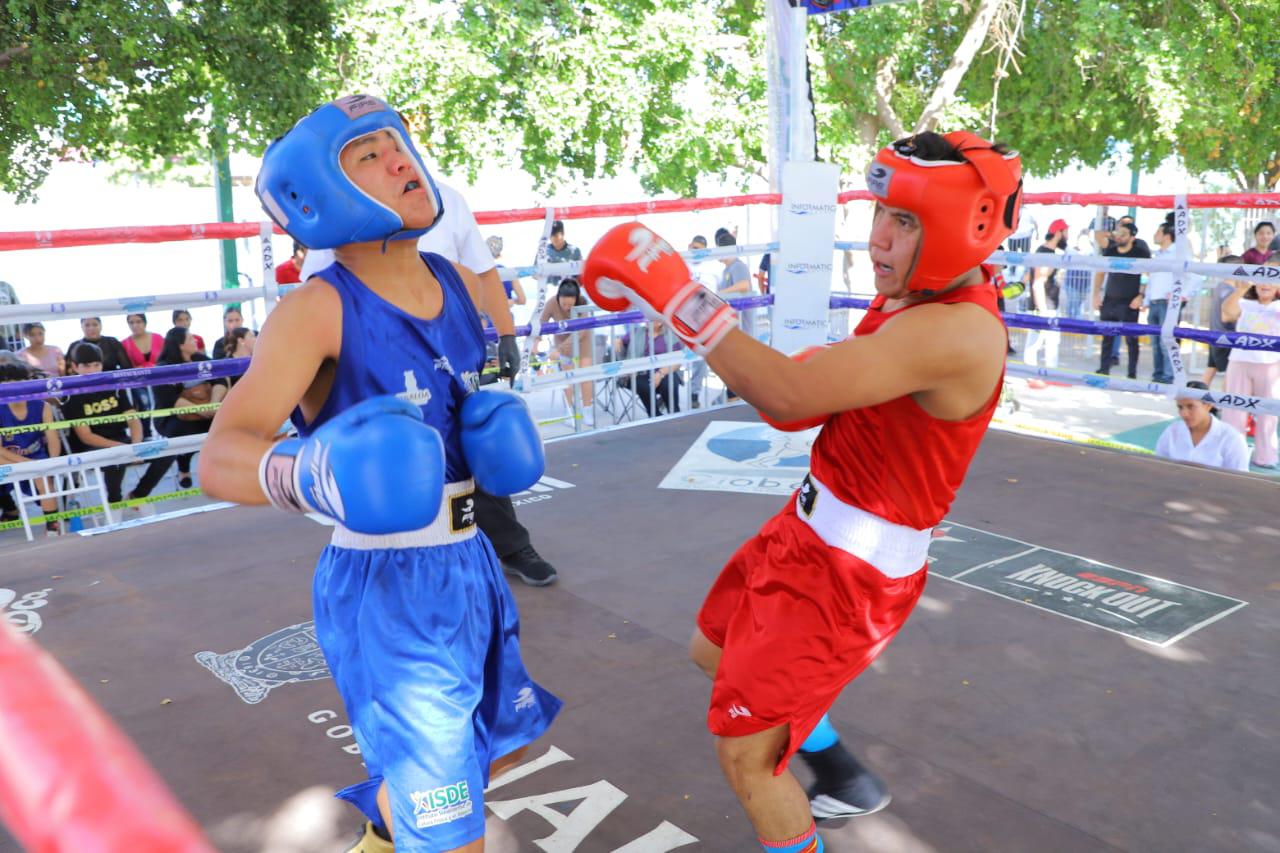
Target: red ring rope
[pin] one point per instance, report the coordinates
(18, 240)
(69, 779)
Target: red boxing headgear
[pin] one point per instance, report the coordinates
(966, 207)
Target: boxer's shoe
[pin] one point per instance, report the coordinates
(842, 787)
(371, 842)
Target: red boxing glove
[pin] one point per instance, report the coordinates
(808, 423)
(633, 266)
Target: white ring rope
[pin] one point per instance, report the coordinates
(126, 304)
(144, 451)
(1180, 266)
(138, 304)
(1225, 400)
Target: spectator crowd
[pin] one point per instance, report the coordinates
(1133, 297)
(1199, 434)
(95, 352)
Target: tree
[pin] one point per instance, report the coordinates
(154, 81)
(1233, 70)
(571, 89)
(1199, 79)
(885, 72)
(1067, 81)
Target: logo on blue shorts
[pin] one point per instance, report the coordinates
(441, 805)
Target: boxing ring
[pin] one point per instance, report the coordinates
(1004, 717)
(1053, 690)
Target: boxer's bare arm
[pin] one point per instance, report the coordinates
(480, 286)
(52, 438)
(302, 332)
(950, 354)
(496, 305)
(1039, 283)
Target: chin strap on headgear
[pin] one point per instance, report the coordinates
(304, 190)
(966, 208)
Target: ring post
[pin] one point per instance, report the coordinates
(271, 289)
(1182, 252)
(535, 322)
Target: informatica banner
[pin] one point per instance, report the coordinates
(800, 277)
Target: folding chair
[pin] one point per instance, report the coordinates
(616, 395)
(64, 486)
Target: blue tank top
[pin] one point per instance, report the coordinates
(29, 444)
(434, 363)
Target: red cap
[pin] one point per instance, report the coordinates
(1056, 225)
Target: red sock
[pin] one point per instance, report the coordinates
(807, 842)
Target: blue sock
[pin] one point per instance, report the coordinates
(823, 736)
(809, 842)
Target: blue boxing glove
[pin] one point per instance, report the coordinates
(500, 442)
(376, 468)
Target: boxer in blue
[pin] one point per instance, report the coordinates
(377, 363)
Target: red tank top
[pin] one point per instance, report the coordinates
(895, 459)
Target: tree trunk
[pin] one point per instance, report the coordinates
(945, 93)
(886, 76)
(9, 54)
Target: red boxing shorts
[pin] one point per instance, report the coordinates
(796, 620)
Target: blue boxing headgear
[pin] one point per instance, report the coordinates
(303, 189)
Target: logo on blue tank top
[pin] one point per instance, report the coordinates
(470, 378)
(412, 393)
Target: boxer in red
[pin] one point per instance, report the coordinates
(805, 606)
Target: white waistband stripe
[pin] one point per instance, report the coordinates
(455, 522)
(895, 550)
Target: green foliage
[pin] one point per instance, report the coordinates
(848, 50)
(1233, 106)
(1196, 78)
(570, 89)
(150, 80)
(674, 91)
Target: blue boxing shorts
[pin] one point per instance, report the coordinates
(422, 635)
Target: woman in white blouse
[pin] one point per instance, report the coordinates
(1255, 308)
(1200, 437)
